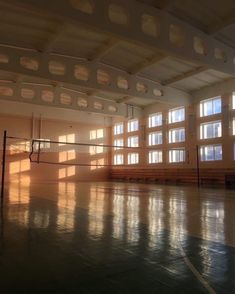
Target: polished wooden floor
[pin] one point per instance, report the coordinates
(117, 238)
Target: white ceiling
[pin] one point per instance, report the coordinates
(28, 29)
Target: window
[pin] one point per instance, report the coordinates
(118, 159)
(176, 115)
(177, 135)
(133, 158)
(210, 130)
(211, 152)
(176, 155)
(234, 126)
(155, 120)
(118, 142)
(155, 138)
(210, 106)
(233, 100)
(118, 129)
(133, 141)
(133, 125)
(155, 156)
(45, 144)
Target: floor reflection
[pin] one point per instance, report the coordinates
(117, 228)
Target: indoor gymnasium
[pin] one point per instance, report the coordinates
(117, 146)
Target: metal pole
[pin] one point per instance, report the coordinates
(198, 167)
(3, 163)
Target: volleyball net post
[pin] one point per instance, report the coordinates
(3, 164)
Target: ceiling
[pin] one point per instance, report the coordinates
(26, 27)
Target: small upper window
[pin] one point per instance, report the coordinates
(210, 106)
(176, 115)
(118, 129)
(133, 125)
(155, 120)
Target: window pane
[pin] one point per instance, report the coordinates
(133, 125)
(155, 120)
(176, 115)
(177, 155)
(155, 156)
(118, 128)
(177, 135)
(155, 138)
(211, 130)
(210, 106)
(211, 153)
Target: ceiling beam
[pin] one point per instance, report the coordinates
(224, 23)
(48, 46)
(133, 31)
(37, 90)
(186, 75)
(147, 63)
(71, 72)
(124, 99)
(104, 49)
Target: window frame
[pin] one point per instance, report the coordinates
(159, 155)
(130, 128)
(203, 102)
(129, 158)
(214, 158)
(151, 121)
(202, 131)
(115, 132)
(150, 138)
(115, 162)
(170, 135)
(177, 149)
(129, 141)
(170, 115)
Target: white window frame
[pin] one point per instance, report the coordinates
(155, 120)
(118, 142)
(171, 114)
(155, 156)
(182, 155)
(210, 100)
(118, 128)
(133, 158)
(213, 124)
(173, 138)
(131, 141)
(202, 153)
(133, 125)
(118, 159)
(151, 138)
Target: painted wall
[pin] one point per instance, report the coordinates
(19, 167)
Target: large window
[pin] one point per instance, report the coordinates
(133, 158)
(118, 159)
(155, 156)
(118, 142)
(155, 138)
(155, 120)
(211, 152)
(133, 141)
(211, 130)
(133, 125)
(176, 115)
(210, 106)
(177, 135)
(234, 126)
(118, 129)
(176, 155)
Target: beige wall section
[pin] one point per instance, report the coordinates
(18, 164)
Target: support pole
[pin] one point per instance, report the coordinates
(198, 167)
(3, 163)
